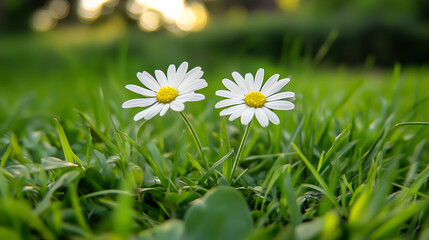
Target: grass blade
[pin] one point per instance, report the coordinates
(68, 153)
(317, 176)
(148, 157)
(212, 168)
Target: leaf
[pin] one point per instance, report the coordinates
(68, 153)
(172, 230)
(338, 140)
(9, 234)
(178, 156)
(6, 155)
(145, 152)
(106, 192)
(52, 163)
(224, 148)
(64, 180)
(221, 214)
(212, 168)
(290, 195)
(319, 178)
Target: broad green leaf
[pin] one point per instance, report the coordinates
(222, 214)
(169, 230)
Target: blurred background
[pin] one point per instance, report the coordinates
(58, 51)
(383, 31)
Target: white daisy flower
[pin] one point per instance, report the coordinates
(247, 99)
(166, 92)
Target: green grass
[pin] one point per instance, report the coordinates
(350, 162)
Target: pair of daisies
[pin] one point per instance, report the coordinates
(247, 97)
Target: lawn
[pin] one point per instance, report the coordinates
(349, 162)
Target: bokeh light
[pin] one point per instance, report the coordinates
(43, 21)
(149, 21)
(174, 14)
(170, 9)
(288, 5)
(59, 9)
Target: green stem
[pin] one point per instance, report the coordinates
(194, 135)
(239, 152)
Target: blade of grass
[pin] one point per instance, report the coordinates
(78, 208)
(338, 140)
(68, 153)
(194, 162)
(410, 123)
(6, 155)
(290, 195)
(196, 139)
(319, 178)
(178, 156)
(225, 147)
(212, 168)
(239, 152)
(148, 158)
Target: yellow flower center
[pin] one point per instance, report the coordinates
(255, 99)
(166, 94)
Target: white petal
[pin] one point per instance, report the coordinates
(280, 105)
(139, 102)
(270, 82)
(197, 97)
(190, 97)
(177, 106)
(247, 116)
(236, 114)
(181, 73)
(143, 113)
(162, 79)
(249, 81)
(184, 97)
(197, 85)
(228, 102)
(193, 72)
(164, 109)
(154, 111)
(228, 94)
(171, 74)
(281, 95)
(233, 87)
(271, 116)
(241, 82)
(233, 110)
(148, 81)
(188, 81)
(259, 78)
(262, 117)
(276, 87)
(140, 90)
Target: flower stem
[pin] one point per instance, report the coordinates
(239, 152)
(194, 135)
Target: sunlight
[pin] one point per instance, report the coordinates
(149, 21)
(176, 14)
(59, 9)
(90, 10)
(43, 21)
(170, 9)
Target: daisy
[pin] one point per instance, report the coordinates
(248, 98)
(166, 92)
